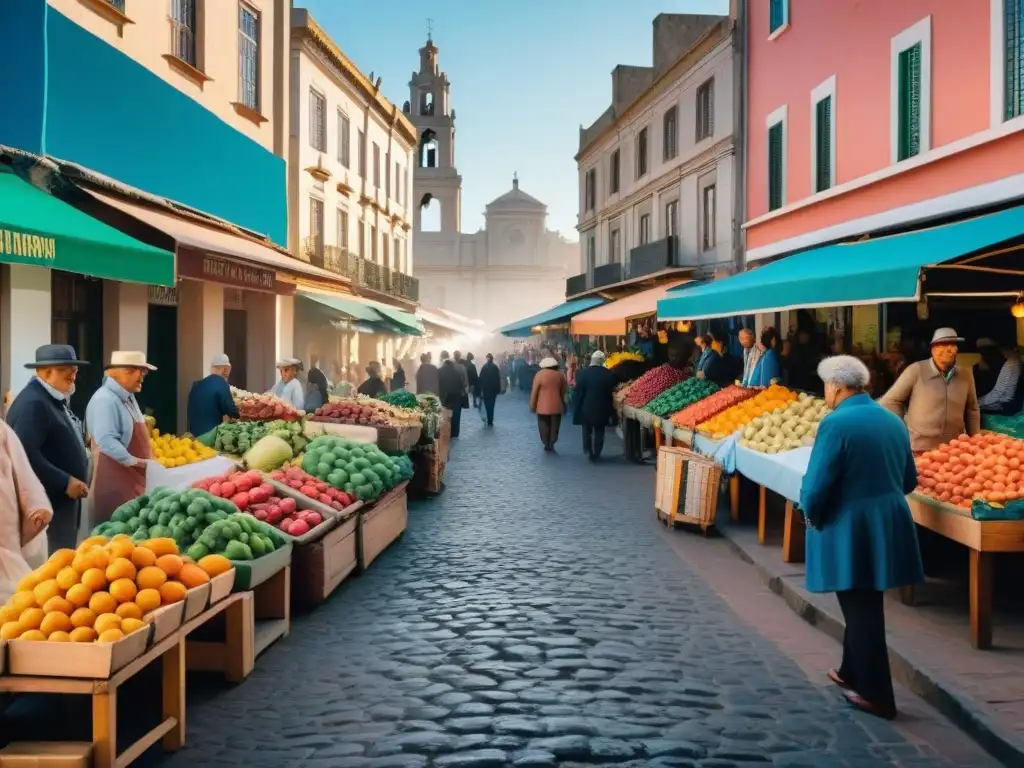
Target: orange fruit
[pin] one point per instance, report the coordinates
(21, 601)
(94, 579)
(83, 635)
(110, 636)
(10, 630)
(31, 618)
(123, 590)
(47, 571)
(120, 568)
(162, 546)
(102, 602)
(99, 558)
(148, 600)
(67, 578)
(8, 614)
(172, 592)
(169, 564)
(45, 590)
(55, 622)
(132, 625)
(82, 562)
(79, 595)
(141, 557)
(151, 577)
(106, 621)
(91, 542)
(192, 575)
(59, 637)
(32, 634)
(215, 565)
(58, 605)
(83, 617)
(28, 582)
(130, 610)
(62, 558)
(120, 547)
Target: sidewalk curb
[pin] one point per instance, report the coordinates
(930, 685)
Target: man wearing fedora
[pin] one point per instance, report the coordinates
(118, 428)
(935, 397)
(54, 439)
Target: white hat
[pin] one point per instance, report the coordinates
(125, 359)
(549, 362)
(946, 336)
(288, 361)
(219, 360)
(597, 358)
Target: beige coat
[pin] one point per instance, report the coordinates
(547, 398)
(934, 410)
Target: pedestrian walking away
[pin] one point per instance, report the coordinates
(472, 378)
(594, 408)
(427, 377)
(209, 400)
(460, 366)
(489, 383)
(452, 389)
(53, 438)
(122, 451)
(547, 400)
(398, 379)
(861, 537)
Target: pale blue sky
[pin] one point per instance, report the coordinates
(522, 80)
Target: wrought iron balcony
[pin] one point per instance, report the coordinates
(607, 274)
(364, 272)
(313, 247)
(576, 284)
(401, 285)
(662, 254)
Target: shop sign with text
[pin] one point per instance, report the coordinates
(214, 269)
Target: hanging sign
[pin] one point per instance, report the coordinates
(197, 265)
(163, 296)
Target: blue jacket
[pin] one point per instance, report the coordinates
(860, 532)
(768, 367)
(209, 401)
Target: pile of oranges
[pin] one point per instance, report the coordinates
(737, 417)
(102, 591)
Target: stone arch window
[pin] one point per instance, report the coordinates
(430, 213)
(426, 102)
(429, 151)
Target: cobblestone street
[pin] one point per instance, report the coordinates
(533, 615)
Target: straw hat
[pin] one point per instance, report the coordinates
(129, 359)
(945, 336)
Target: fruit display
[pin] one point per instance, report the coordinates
(242, 489)
(740, 415)
(358, 469)
(367, 412)
(616, 358)
(269, 453)
(680, 396)
(167, 513)
(403, 398)
(237, 537)
(318, 490)
(266, 407)
(237, 437)
(102, 591)
(653, 383)
(985, 466)
(430, 408)
(620, 394)
(711, 406)
(174, 451)
(787, 428)
(251, 494)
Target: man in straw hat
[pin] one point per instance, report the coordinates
(117, 426)
(935, 397)
(54, 439)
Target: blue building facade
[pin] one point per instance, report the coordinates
(71, 95)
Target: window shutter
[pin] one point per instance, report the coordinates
(775, 167)
(909, 127)
(1014, 90)
(824, 149)
(777, 15)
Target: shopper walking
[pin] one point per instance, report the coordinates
(861, 538)
(427, 378)
(460, 365)
(398, 379)
(452, 389)
(594, 409)
(547, 400)
(54, 439)
(489, 384)
(472, 378)
(209, 399)
(374, 385)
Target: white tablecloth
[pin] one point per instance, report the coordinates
(182, 477)
(779, 472)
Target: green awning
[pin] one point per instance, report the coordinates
(522, 328)
(356, 310)
(408, 323)
(873, 271)
(382, 318)
(39, 230)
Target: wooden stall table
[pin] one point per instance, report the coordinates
(171, 730)
(984, 539)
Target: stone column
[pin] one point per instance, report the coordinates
(25, 322)
(125, 317)
(200, 336)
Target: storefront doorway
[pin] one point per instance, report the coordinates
(77, 319)
(159, 394)
(236, 343)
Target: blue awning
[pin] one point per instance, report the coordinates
(873, 271)
(521, 329)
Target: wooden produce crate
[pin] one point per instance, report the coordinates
(321, 566)
(382, 523)
(96, 661)
(331, 516)
(398, 438)
(686, 489)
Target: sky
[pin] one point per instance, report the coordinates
(522, 81)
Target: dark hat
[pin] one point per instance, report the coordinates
(56, 354)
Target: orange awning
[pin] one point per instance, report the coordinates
(610, 319)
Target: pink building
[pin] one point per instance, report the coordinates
(868, 114)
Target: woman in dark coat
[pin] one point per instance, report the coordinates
(489, 386)
(861, 538)
(594, 408)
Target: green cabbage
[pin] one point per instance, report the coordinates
(268, 454)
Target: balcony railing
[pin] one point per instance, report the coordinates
(576, 284)
(662, 254)
(607, 274)
(366, 273)
(313, 247)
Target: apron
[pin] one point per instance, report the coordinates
(114, 484)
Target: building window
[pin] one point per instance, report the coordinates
(778, 16)
(613, 173)
(343, 229)
(910, 106)
(317, 121)
(909, 103)
(361, 244)
(376, 164)
(645, 229)
(183, 30)
(708, 218)
(315, 244)
(344, 140)
(591, 252)
(385, 250)
(1013, 22)
(118, 4)
(641, 153)
(706, 110)
(396, 254)
(672, 218)
(590, 190)
(361, 149)
(249, 57)
(373, 243)
(613, 247)
(776, 166)
(671, 143)
(823, 132)
(398, 182)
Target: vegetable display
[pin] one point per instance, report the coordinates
(680, 396)
(403, 398)
(167, 513)
(237, 437)
(102, 591)
(290, 432)
(786, 428)
(365, 411)
(737, 417)
(269, 453)
(653, 383)
(248, 492)
(616, 358)
(237, 537)
(254, 407)
(359, 469)
(712, 405)
(314, 488)
(430, 408)
(986, 466)
(173, 451)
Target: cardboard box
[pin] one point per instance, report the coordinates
(165, 620)
(220, 586)
(46, 754)
(91, 661)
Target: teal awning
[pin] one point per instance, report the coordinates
(521, 328)
(354, 309)
(380, 318)
(873, 271)
(409, 324)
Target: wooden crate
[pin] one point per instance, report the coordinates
(686, 489)
(382, 524)
(322, 566)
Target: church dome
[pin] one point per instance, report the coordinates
(515, 200)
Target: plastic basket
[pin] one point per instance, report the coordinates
(687, 488)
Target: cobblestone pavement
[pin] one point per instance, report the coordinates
(533, 615)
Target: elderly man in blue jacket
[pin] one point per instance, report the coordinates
(209, 399)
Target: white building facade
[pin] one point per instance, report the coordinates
(658, 180)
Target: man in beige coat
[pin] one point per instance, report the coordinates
(935, 398)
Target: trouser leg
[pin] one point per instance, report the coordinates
(544, 427)
(556, 423)
(456, 419)
(588, 433)
(598, 444)
(865, 653)
(489, 401)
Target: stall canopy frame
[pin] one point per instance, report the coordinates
(612, 318)
(522, 329)
(980, 256)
